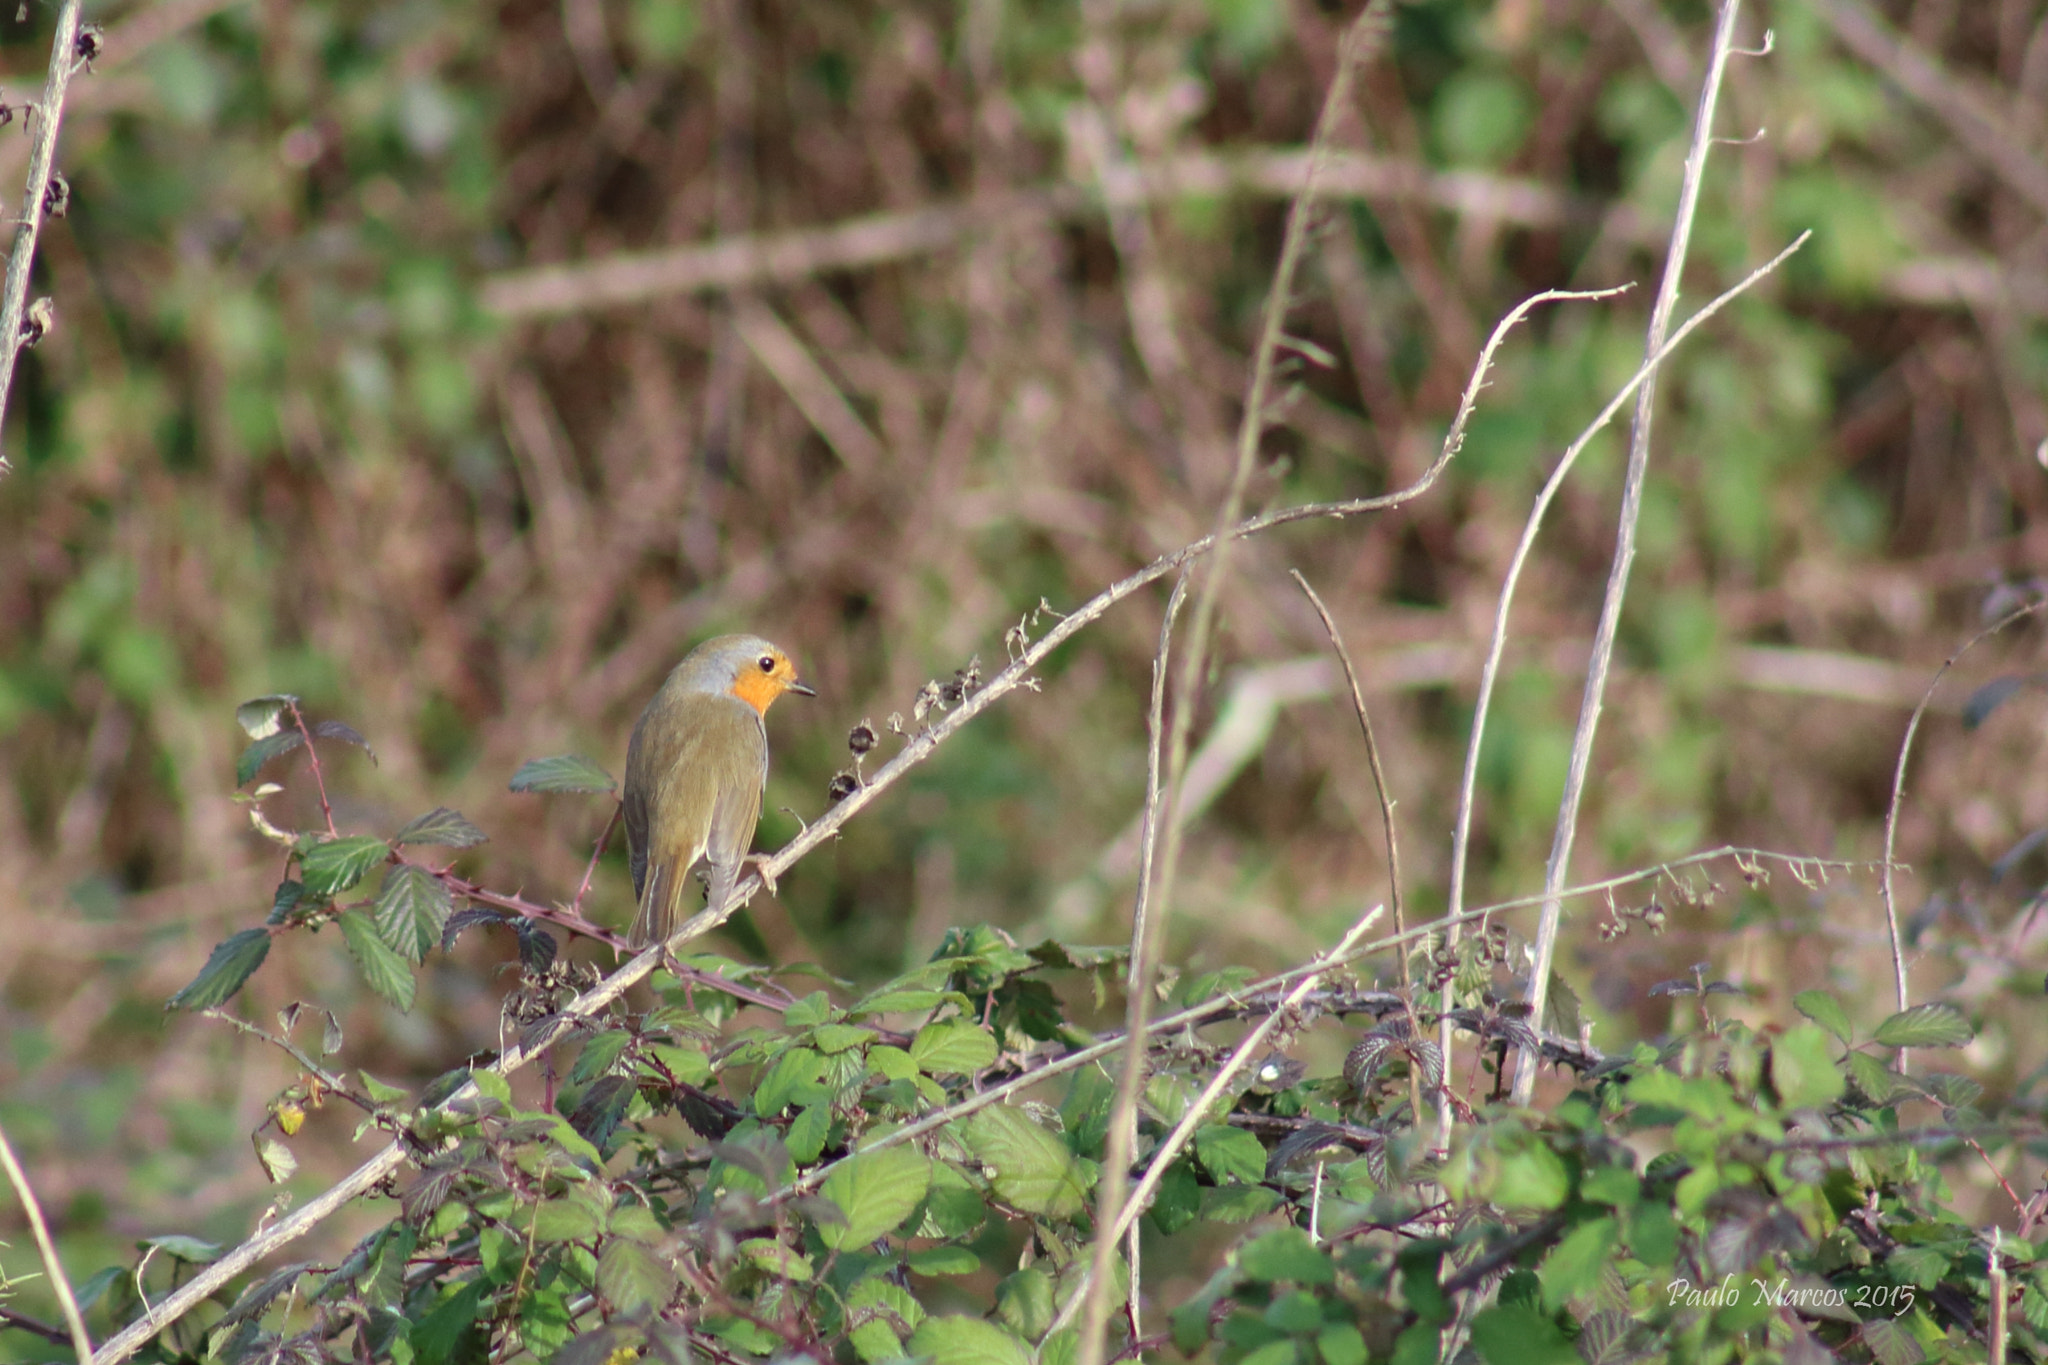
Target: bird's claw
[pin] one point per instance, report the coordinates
(760, 862)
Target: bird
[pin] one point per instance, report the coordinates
(695, 770)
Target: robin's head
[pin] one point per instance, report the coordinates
(744, 666)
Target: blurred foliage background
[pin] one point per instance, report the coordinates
(456, 367)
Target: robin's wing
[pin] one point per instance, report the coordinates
(685, 760)
(736, 812)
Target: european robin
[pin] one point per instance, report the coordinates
(695, 770)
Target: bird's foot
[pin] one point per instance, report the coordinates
(760, 862)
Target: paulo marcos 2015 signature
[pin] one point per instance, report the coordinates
(1898, 1298)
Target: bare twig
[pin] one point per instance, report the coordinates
(1379, 784)
(800, 375)
(1891, 812)
(49, 118)
(1625, 537)
(1372, 755)
(60, 1284)
(1148, 835)
(1111, 1189)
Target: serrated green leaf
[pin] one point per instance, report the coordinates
(384, 971)
(832, 1039)
(1935, 1025)
(797, 1077)
(233, 961)
(967, 1341)
(441, 826)
(953, 1048)
(807, 1133)
(570, 773)
(1286, 1254)
(1516, 1334)
(882, 1311)
(1024, 1301)
(411, 911)
(1575, 1264)
(945, 1261)
(876, 1191)
(262, 717)
(189, 1249)
(1237, 1203)
(1826, 1011)
(767, 1254)
(1801, 1069)
(564, 1220)
(332, 867)
(889, 1000)
(954, 1206)
(633, 1279)
(809, 1012)
(1032, 1169)
(1229, 1154)
(262, 751)
(598, 1055)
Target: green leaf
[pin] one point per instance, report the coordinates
(876, 1191)
(598, 1055)
(953, 1048)
(1826, 1011)
(563, 773)
(262, 717)
(1285, 1254)
(954, 1206)
(233, 961)
(183, 1248)
(567, 1219)
(807, 1133)
(449, 1332)
(889, 999)
(384, 971)
(262, 751)
(1178, 1199)
(783, 1262)
(881, 1310)
(441, 826)
(1801, 1069)
(1341, 1344)
(1873, 1077)
(832, 1039)
(334, 866)
(797, 1077)
(1516, 1334)
(1033, 1170)
(1575, 1264)
(945, 1261)
(1921, 1266)
(1531, 1176)
(809, 1012)
(1238, 1203)
(412, 909)
(633, 1279)
(1229, 1154)
(967, 1341)
(1024, 1301)
(1935, 1025)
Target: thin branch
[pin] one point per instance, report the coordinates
(1148, 829)
(49, 118)
(1625, 538)
(1379, 783)
(1110, 1202)
(1372, 756)
(1891, 812)
(60, 1284)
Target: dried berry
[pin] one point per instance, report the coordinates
(842, 786)
(861, 739)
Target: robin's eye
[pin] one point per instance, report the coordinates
(767, 662)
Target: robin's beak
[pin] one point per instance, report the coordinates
(800, 687)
